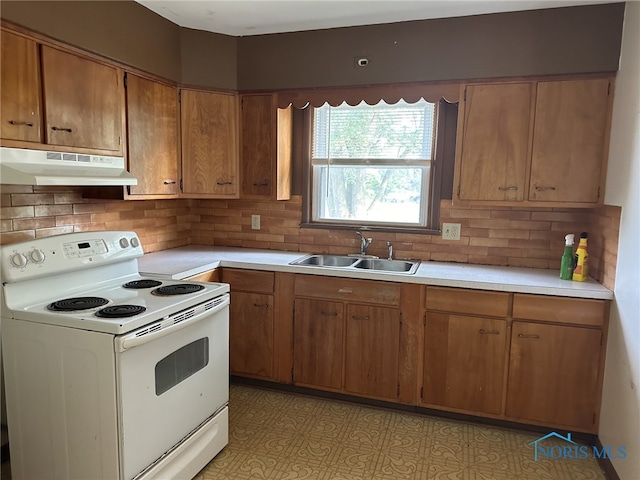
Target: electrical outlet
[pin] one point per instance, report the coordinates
(451, 231)
(255, 222)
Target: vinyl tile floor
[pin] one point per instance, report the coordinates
(284, 436)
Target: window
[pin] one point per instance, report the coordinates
(372, 164)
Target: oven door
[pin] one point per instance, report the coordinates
(172, 375)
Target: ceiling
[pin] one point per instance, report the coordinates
(256, 17)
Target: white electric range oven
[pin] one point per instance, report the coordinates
(110, 375)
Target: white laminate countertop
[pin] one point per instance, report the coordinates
(183, 262)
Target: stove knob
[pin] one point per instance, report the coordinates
(19, 260)
(134, 242)
(124, 243)
(37, 256)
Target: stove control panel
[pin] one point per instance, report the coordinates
(62, 253)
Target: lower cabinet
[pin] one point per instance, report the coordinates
(347, 336)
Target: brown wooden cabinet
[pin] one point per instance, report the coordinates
(209, 128)
(266, 147)
(260, 324)
(208, 276)
(347, 335)
(83, 102)
(55, 99)
(153, 136)
(465, 347)
(20, 106)
(532, 143)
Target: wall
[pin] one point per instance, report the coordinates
(516, 237)
(537, 42)
(28, 212)
(208, 59)
(620, 417)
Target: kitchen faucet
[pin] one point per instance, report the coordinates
(390, 249)
(364, 243)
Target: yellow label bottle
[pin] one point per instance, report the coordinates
(581, 270)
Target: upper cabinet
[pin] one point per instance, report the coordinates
(21, 111)
(153, 136)
(532, 143)
(82, 104)
(209, 122)
(266, 148)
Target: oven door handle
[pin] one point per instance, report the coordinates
(169, 325)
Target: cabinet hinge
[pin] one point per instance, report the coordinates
(400, 319)
(125, 80)
(593, 420)
(421, 392)
(465, 94)
(424, 320)
(129, 193)
(601, 338)
(458, 194)
(179, 96)
(181, 186)
(609, 88)
(598, 193)
(398, 390)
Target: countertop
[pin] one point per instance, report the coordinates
(183, 262)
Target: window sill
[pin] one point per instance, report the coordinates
(372, 228)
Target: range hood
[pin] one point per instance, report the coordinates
(19, 166)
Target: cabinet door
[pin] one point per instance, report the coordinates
(83, 100)
(569, 142)
(318, 343)
(152, 133)
(464, 362)
(372, 348)
(266, 147)
(20, 114)
(553, 374)
(251, 334)
(209, 143)
(494, 142)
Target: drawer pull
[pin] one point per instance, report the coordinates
(28, 124)
(169, 182)
(542, 189)
(261, 184)
(345, 290)
(511, 187)
(355, 317)
(329, 314)
(522, 335)
(489, 332)
(60, 129)
(224, 183)
(261, 305)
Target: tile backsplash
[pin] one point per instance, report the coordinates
(518, 237)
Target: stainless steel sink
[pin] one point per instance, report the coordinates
(398, 266)
(322, 260)
(408, 267)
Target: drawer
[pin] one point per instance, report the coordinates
(248, 280)
(332, 288)
(208, 276)
(578, 311)
(474, 302)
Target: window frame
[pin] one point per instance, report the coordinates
(435, 187)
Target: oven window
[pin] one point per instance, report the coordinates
(181, 364)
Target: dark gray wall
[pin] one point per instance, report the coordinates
(537, 42)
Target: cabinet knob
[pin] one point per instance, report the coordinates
(61, 129)
(489, 332)
(14, 122)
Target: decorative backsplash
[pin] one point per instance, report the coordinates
(511, 236)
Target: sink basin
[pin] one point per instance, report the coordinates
(322, 260)
(398, 266)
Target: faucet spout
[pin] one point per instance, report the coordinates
(390, 249)
(364, 243)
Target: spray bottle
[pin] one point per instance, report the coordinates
(580, 271)
(566, 264)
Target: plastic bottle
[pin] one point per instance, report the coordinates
(566, 264)
(580, 271)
